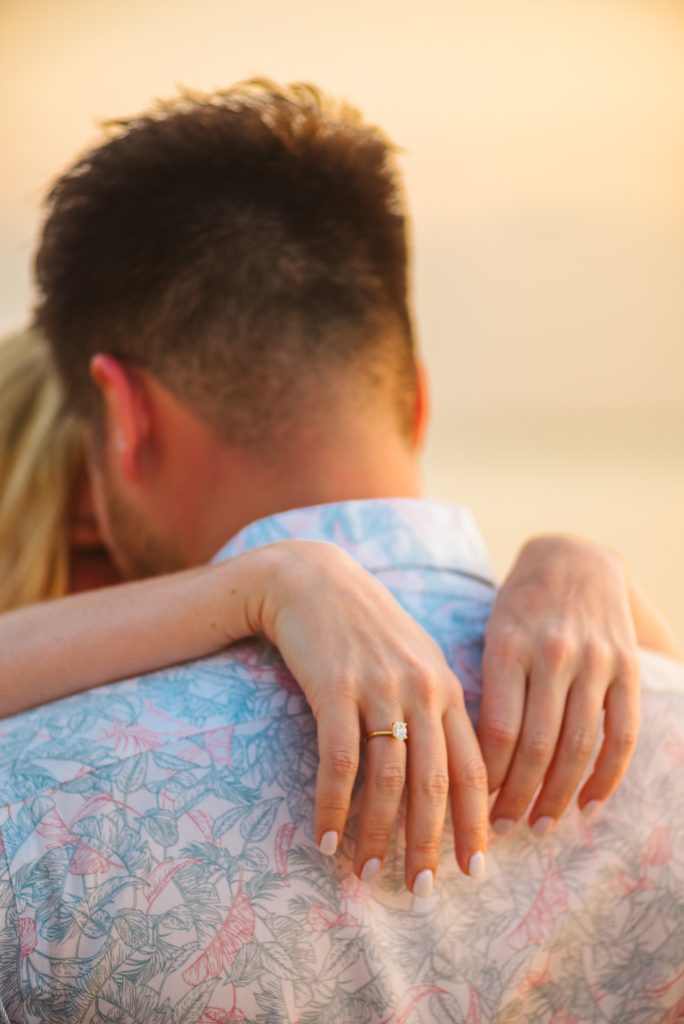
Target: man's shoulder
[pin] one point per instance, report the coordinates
(59, 743)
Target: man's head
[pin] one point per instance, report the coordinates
(241, 261)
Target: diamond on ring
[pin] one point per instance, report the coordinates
(399, 731)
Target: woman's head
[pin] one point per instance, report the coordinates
(42, 477)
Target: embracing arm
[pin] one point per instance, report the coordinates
(62, 647)
(360, 659)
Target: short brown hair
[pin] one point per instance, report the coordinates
(236, 245)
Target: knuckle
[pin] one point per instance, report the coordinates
(435, 786)
(559, 645)
(423, 685)
(382, 685)
(580, 742)
(390, 778)
(627, 666)
(427, 850)
(598, 654)
(473, 833)
(473, 776)
(507, 644)
(342, 764)
(536, 747)
(329, 806)
(377, 836)
(498, 733)
(624, 740)
(344, 685)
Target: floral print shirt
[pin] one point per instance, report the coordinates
(158, 862)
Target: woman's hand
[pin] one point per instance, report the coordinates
(560, 647)
(364, 663)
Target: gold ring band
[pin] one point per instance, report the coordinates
(399, 731)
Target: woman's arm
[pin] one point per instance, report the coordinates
(376, 665)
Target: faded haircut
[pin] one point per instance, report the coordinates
(244, 247)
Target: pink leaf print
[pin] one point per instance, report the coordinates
(55, 831)
(665, 987)
(355, 890)
(28, 936)
(675, 1014)
(473, 1015)
(673, 745)
(204, 824)
(191, 754)
(236, 931)
(283, 842)
(625, 885)
(152, 709)
(132, 739)
(95, 804)
(410, 999)
(534, 978)
(658, 849)
(550, 901)
(87, 861)
(162, 875)
(213, 1015)
(320, 918)
(563, 1017)
(2, 844)
(219, 745)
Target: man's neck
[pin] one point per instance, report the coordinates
(238, 489)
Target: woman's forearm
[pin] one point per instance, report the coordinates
(61, 647)
(653, 630)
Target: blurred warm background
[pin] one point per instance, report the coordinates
(544, 158)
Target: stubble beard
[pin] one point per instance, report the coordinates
(137, 550)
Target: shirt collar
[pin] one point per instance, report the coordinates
(381, 534)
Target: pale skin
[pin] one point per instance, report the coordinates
(378, 666)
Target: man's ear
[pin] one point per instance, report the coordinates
(128, 418)
(421, 412)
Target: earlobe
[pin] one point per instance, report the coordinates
(126, 412)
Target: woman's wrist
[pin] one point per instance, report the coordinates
(280, 576)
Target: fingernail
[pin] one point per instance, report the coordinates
(328, 843)
(590, 809)
(476, 865)
(422, 885)
(370, 870)
(543, 825)
(503, 826)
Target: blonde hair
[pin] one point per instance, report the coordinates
(41, 456)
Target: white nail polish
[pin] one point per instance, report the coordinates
(370, 870)
(503, 826)
(422, 885)
(543, 825)
(590, 809)
(476, 865)
(328, 843)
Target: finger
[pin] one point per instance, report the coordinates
(620, 727)
(575, 746)
(504, 682)
(538, 738)
(468, 791)
(338, 749)
(428, 788)
(383, 787)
